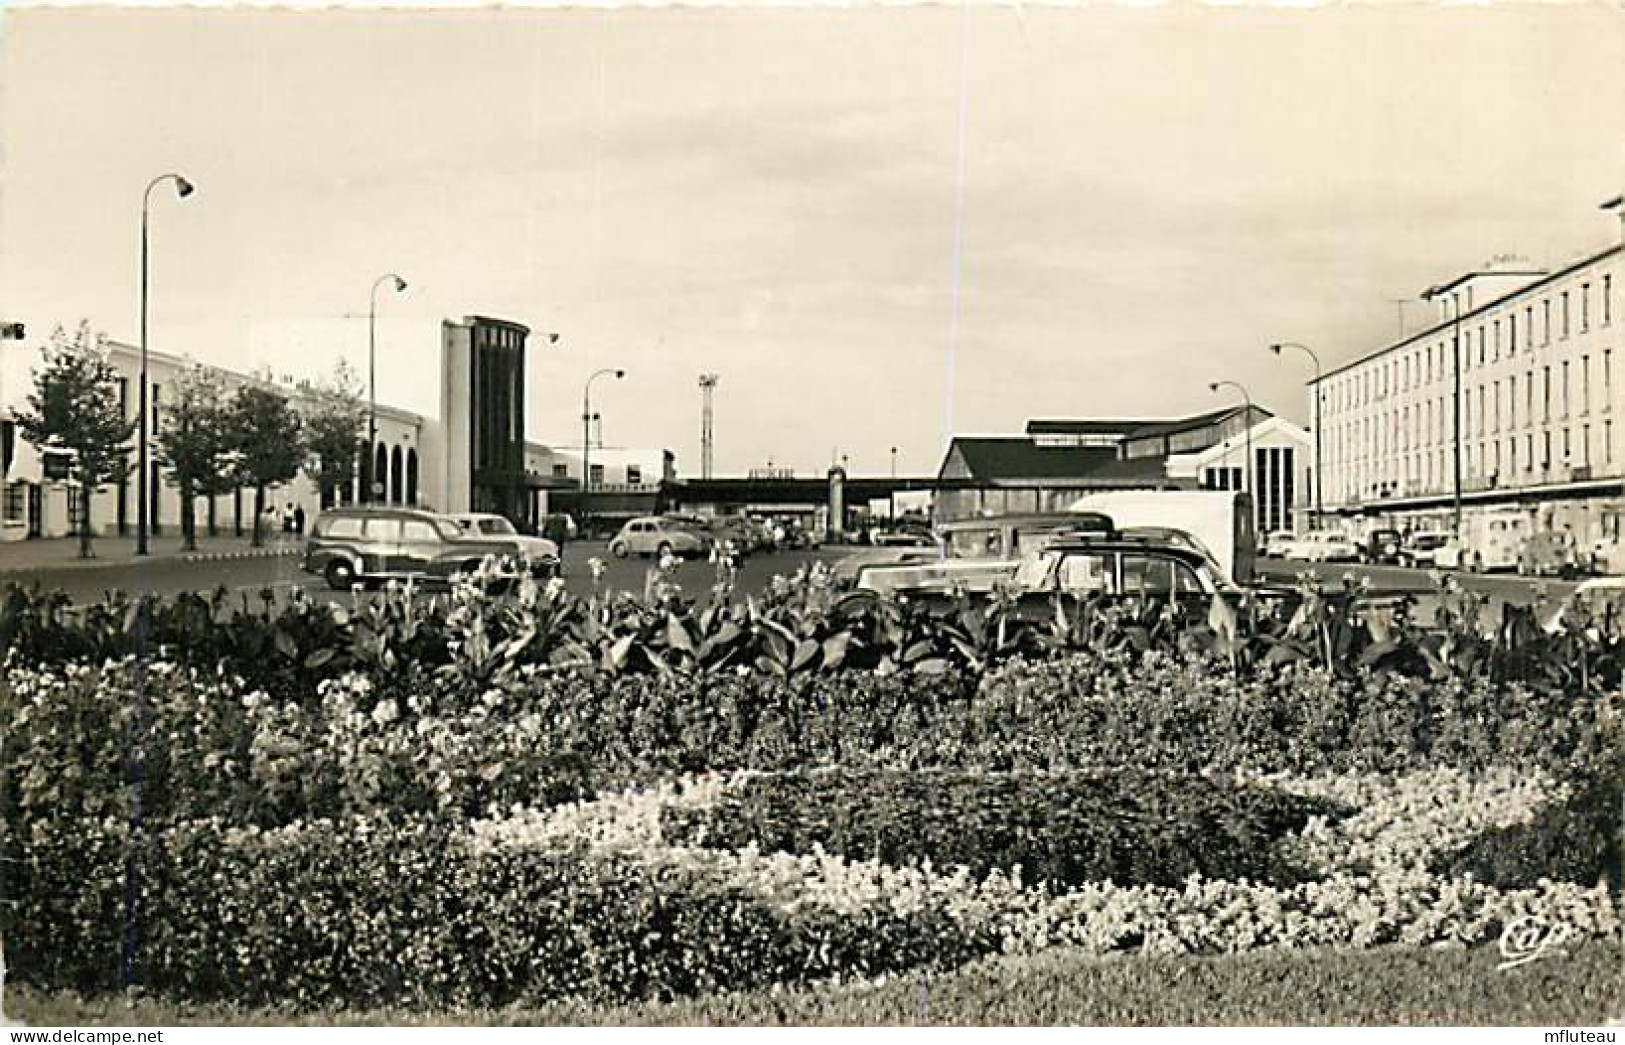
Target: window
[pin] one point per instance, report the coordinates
(1089, 573)
(1585, 384)
(1529, 452)
(1512, 401)
(1480, 346)
(1567, 448)
(634, 475)
(1608, 441)
(561, 471)
(1563, 330)
(1607, 299)
(1585, 307)
(340, 526)
(1546, 449)
(1481, 410)
(154, 422)
(1529, 328)
(1496, 326)
(16, 500)
(124, 397)
(1546, 395)
(1585, 446)
(1546, 321)
(418, 530)
(595, 475)
(381, 529)
(1565, 389)
(1495, 399)
(1512, 334)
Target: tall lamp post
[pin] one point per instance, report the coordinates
(183, 189)
(1247, 471)
(586, 440)
(1319, 395)
(369, 465)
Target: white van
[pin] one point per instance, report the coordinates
(1490, 540)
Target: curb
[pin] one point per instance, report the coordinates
(254, 553)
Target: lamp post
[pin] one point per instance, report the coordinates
(183, 189)
(369, 465)
(1247, 471)
(586, 440)
(1319, 395)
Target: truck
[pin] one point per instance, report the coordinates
(1220, 521)
(1490, 540)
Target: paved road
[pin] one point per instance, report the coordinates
(171, 576)
(1502, 588)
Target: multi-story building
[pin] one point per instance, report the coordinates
(626, 481)
(1510, 398)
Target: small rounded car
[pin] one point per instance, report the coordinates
(654, 535)
(348, 546)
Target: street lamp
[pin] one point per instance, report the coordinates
(1319, 395)
(183, 189)
(586, 438)
(369, 465)
(1246, 472)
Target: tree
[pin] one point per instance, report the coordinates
(267, 443)
(335, 429)
(195, 441)
(75, 407)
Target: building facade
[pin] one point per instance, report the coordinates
(480, 466)
(35, 505)
(1057, 461)
(1511, 398)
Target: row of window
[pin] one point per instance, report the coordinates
(634, 473)
(1494, 338)
(1484, 408)
(1501, 460)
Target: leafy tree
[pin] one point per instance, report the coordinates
(268, 444)
(335, 428)
(75, 407)
(195, 441)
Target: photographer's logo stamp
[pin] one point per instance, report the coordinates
(1528, 938)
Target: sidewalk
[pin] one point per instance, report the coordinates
(56, 553)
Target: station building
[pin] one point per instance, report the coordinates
(1054, 462)
(472, 457)
(1519, 370)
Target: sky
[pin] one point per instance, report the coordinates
(878, 226)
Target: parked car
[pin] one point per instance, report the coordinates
(1328, 546)
(655, 535)
(351, 545)
(1602, 599)
(1421, 548)
(737, 530)
(1382, 547)
(902, 539)
(1282, 544)
(1082, 565)
(970, 553)
(1548, 554)
(541, 555)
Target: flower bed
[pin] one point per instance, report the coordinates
(1064, 829)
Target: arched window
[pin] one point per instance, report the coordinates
(397, 485)
(412, 476)
(380, 475)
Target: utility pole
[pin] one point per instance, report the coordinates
(708, 387)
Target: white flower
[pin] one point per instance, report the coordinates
(385, 712)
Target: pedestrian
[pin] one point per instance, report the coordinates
(287, 518)
(299, 520)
